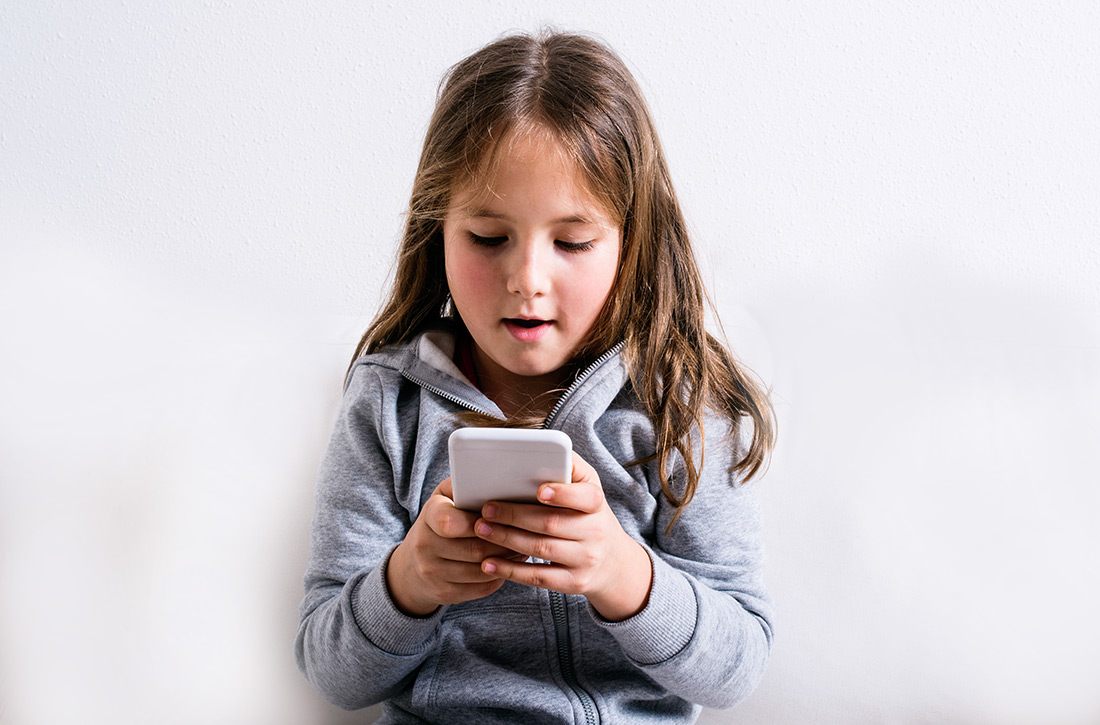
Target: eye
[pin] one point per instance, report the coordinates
(575, 247)
(487, 241)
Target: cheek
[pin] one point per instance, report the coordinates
(468, 277)
(590, 289)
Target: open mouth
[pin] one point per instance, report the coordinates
(526, 323)
(526, 330)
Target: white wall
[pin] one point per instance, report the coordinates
(896, 204)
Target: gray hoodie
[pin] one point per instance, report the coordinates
(525, 654)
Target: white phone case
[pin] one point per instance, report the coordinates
(506, 464)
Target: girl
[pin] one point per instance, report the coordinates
(545, 278)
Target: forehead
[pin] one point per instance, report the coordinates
(531, 161)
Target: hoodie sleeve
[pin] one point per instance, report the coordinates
(353, 644)
(706, 631)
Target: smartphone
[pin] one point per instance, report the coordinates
(506, 464)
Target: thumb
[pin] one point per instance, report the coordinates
(583, 472)
(444, 489)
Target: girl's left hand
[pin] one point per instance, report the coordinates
(576, 531)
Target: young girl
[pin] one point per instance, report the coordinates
(545, 278)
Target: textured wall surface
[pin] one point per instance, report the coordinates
(895, 205)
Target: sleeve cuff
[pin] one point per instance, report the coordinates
(381, 622)
(667, 623)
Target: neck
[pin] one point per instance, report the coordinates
(527, 396)
(531, 397)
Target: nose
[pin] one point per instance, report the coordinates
(528, 274)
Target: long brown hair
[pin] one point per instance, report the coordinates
(580, 92)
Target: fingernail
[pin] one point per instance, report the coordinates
(483, 529)
(488, 567)
(489, 512)
(546, 493)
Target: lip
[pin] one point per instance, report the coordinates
(524, 333)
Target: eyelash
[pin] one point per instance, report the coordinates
(569, 247)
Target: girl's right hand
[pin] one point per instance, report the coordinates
(439, 562)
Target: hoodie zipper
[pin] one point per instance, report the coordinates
(448, 396)
(565, 657)
(558, 610)
(584, 375)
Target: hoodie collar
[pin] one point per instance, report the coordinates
(428, 361)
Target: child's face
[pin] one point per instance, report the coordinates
(530, 265)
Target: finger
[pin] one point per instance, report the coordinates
(470, 550)
(558, 522)
(441, 515)
(560, 551)
(454, 572)
(445, 489)
(446, 521)
(581, 496)
(583, 472)
(543, 576)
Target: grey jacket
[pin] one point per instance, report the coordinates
(525, 654)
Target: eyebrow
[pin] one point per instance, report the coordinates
(487, 214)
